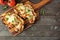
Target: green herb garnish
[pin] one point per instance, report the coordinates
(42, 12)
(5, 7)
(30, 16)
(7, 18)
(12, 20)
(28, 11)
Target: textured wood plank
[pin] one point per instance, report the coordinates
(46, 20)
(53, 8)
(29, 38)
(37, 31)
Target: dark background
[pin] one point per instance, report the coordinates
(47, 28)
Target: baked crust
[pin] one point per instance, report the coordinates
(24, 22)
(12, 27)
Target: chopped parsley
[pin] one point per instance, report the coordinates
(27, 10)
(5, 7)
(42, 12)
(7, 18)
(13, 21)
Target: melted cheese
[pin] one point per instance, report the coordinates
(11, 19)
(15, 11)
(22, 7)
(18, 26)
(30, 13)
(26, 9)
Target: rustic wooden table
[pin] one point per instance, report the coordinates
(47, 28)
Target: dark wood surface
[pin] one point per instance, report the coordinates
(47, 28)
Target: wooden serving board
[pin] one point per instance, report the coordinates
(35, 7)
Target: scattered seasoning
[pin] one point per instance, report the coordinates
(12, 21)
(27, 11)
(5, 7)
(7, 18)
(42, 12)
(30, 16)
